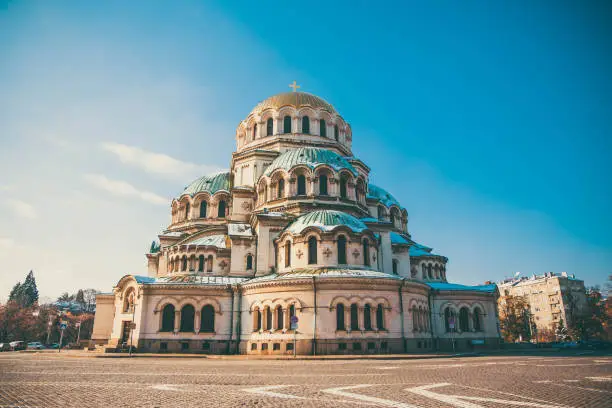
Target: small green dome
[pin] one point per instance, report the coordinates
(311, 157)
(382, 195)
(326, 220)
(210, 184)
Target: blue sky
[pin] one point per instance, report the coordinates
(490, 122)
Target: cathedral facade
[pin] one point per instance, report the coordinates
(293, 251)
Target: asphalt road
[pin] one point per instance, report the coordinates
(50, 380)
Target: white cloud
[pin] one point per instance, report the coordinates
(123, 188)
(22, 209)
(157, 163)
(6, 243)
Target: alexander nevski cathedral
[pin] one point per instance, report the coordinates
(293, 251)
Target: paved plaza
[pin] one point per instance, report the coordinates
(78, 380)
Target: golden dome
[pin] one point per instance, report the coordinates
(295, 99)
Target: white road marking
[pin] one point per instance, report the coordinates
(139, 373)
(167, 387)
(264, 391)
(380, 401)
(385, 368)
(581, 388)
(504, 393)
(459, 400)
(600, 379)
(542, 381)
(573, 381)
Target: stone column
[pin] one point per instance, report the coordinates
(373, 311)
(274, 320)
(198, 319)
(360, 315)
(177, 321)
(310, 186)
(286, 322)
(347, 318)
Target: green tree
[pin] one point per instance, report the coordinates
(65, 297)
(80, 298)
(514, 320)
(29, 291)
(15, 294)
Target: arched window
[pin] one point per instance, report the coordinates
(343, 187)
(367, 317)
(269, 127)
(342, 250)
(287, 254)
(305, 124)
(167, 319)
(336, 133)
(381, 212)
(429, 273)
(201, 263)
(279, 318)
(366, 253)
(291, 311)
(203, 207)
(280, 189)
(301, 185)
(184, 265)
(323, 128)
(187, 316)
(323, 184)
(207, 323)
(395, 266)
(257, 320)
(415, 319)
(249, 262)
(380, 317)
(187, 209)
(287, 124)
(221, 210)
(209, 263)
(128, 300)
(392, 217)
(268, 318)
(354, 317)
(477, 319)
(192, 262)
(340, 325)
(255, 131)
(464, 319)
(312, 250)
(449, 317)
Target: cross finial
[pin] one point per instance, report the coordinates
(295, 86)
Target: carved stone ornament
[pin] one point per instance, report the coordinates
(299, 254)
(356, 253)
(327, 252)
(246, 206)
(223, 264)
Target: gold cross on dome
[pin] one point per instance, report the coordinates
(295, 86)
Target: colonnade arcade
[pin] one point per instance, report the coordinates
(274, 316)
(184, 317)
(463, 318)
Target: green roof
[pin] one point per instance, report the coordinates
(326, 220)
(382, 195)
(210, 184)
(210, 240)
(311, 157)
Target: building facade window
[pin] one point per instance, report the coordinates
(323, 128)
(201, 263)
(464, 319)
(269, 127)
(380, 317)
(367, 317)
(343, 193)
(366, 253)
(354, 317)
(395, 264)
(478, 319)
(287, 254)
(249, 262)
(279, 318)
(342, 250)
(184, 263)
(312, 250)
(280, 189)
(336, 133)
(203, 208)
(187, 209)
(257, 320)
(187, 316)
(306, 125)
(221, 209)
(323, 185)
(449, 317)
(301, 185)
(268, 318)
(287, 124)
(167, 318)
(340, 324)
(255, 131)
(208, 319)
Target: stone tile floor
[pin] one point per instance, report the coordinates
(81, 380)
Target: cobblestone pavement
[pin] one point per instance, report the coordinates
(49, 380)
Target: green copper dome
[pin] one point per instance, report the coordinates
(382, 195)
(326, 220)
(210, 184)
(311, 157)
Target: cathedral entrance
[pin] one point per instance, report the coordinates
(126, 327)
